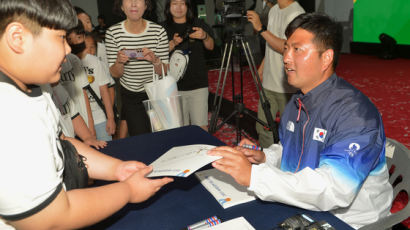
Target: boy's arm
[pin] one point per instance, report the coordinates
(89, 113)
(82, 131)
(111, 91)
(105, 95)
(100, 166)
(82, 207)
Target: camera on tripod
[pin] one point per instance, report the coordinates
(233, 15)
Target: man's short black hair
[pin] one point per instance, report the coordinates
(52, 14)
(328, 34)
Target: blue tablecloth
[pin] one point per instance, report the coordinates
(186, 201)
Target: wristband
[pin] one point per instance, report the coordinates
(263, 29)
(206, 36)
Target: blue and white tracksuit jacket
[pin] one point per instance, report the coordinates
(331, 156)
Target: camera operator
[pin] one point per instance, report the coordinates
(263, 13)
(278, 91)
(190, 35)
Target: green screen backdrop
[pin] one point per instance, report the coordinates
(373, 17)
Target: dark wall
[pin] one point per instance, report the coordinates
(106, 7)
(308, 5)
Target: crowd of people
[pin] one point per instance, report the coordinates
(63, 92)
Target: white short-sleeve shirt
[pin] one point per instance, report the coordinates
(97, 77)
(31, 167)
(74, 79)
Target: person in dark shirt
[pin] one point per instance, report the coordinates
(101, 28)
(190, 35)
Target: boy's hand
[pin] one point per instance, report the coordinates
(143, 188)
(91, 141)
(233, 163)
(127, 168)
(110, 126)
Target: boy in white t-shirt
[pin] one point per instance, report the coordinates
(74, 80)
(85, 19)
(101, 104)
(71, 121)
(32, 194)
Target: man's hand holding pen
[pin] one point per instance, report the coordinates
(237, 161)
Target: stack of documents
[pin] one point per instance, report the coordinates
(224, 188)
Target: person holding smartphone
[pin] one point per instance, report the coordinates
(192, 36)
(135, 32)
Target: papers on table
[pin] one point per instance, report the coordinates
(182, 161)
(239, 223)
(224, 188)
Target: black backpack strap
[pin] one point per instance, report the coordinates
(97, 99)
(101, 104)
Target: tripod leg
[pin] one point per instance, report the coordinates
(262, 96)
(220, 74)
(215, 113)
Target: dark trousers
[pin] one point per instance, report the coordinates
(134, 113)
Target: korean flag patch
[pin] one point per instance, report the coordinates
(319, 135)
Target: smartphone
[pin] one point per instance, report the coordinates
(187, 32)
(133, 53)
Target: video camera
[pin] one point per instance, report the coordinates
(233, 14)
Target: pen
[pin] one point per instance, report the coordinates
(211, 221)
(253, 147)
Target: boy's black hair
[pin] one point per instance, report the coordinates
(79, 29)
(52, 14)
(328, 33)
(189, 14)
(80, 10)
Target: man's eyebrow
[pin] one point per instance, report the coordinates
(294, 44)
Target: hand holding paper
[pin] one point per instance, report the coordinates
(182, 161)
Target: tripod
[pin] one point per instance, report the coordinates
(239, 108)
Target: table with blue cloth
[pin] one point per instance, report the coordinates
(185, 201)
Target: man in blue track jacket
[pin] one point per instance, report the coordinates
(331, 154)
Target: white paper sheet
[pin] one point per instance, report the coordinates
(182, 161)
(224, 188)
(239, 223)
